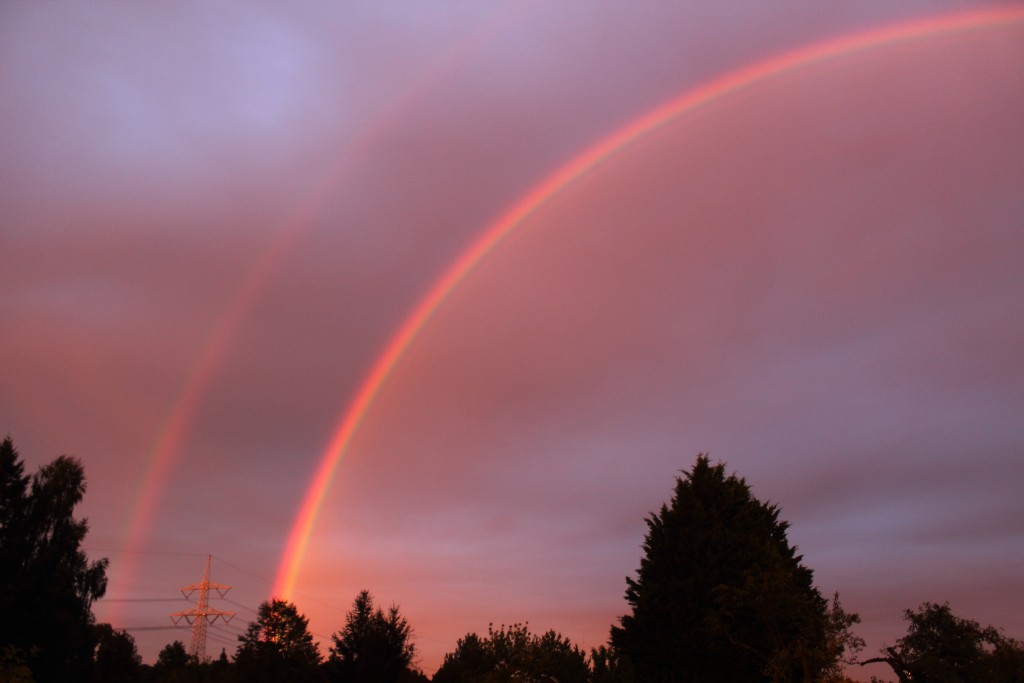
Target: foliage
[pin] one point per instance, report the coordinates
(841, 644)
(607, 665)
(175, 665)
(13, 667)
(173, 656)
(45, 578)
(277, 646)
(372, 646)
(117, 659)
(514, 654)
(941, 647)
(720, 594)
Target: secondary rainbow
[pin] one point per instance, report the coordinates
(174, 430)
(534, 199)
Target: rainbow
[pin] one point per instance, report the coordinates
(577, 168)
(174, 430)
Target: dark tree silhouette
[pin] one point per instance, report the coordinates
(514, 654)
(277, 647)
(720, 594)
(175, 665)
(117, 658)
(173, 656)
(372, 646)
(941, 647)
(606, 666)
(47, 584)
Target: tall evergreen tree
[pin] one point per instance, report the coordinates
(373, 647)
(720, 594)
(47, 583)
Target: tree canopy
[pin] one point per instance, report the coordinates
(173, 656)
(514, 654)
(117, 659)
(372, 646)
(941, 647)
(45, 577)
(277, 646)
(721, 595)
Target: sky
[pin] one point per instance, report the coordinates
(217, 220)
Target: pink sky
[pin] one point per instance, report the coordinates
(816, 279)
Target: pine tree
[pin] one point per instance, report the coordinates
(373, 647)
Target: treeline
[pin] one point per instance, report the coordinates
(720, 596)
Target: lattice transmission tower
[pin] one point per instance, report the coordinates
(202, 614)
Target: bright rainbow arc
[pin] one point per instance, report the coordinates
(534, 199)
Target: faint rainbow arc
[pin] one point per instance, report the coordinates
(535, 198)
(214, 349)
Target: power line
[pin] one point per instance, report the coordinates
(177, 599)
(152, 628)
(238, 604)
(270, 582)
(140, 552)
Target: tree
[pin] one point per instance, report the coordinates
(175, 665)
(720, 594)
(173, 656)
(941, 647)
(607, 666)
(514, 654)
(277, 646)
(46, 580)
(841, 644)
(373, 646)
(117, 658)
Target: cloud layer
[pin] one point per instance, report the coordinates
(814, 279)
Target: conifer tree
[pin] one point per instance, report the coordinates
(373, 647)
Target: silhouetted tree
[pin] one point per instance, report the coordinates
(117, 659)
(720, 594)
(47, 584)
(173, 656)
(220, 670)
(175, 665)
(941, 647)
(277, 646)
(841, 645)
(514, 654)
(607, 666)
(373, 646)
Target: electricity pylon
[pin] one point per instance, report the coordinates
(202, 614)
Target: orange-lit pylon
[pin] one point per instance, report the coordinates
(202, 614)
